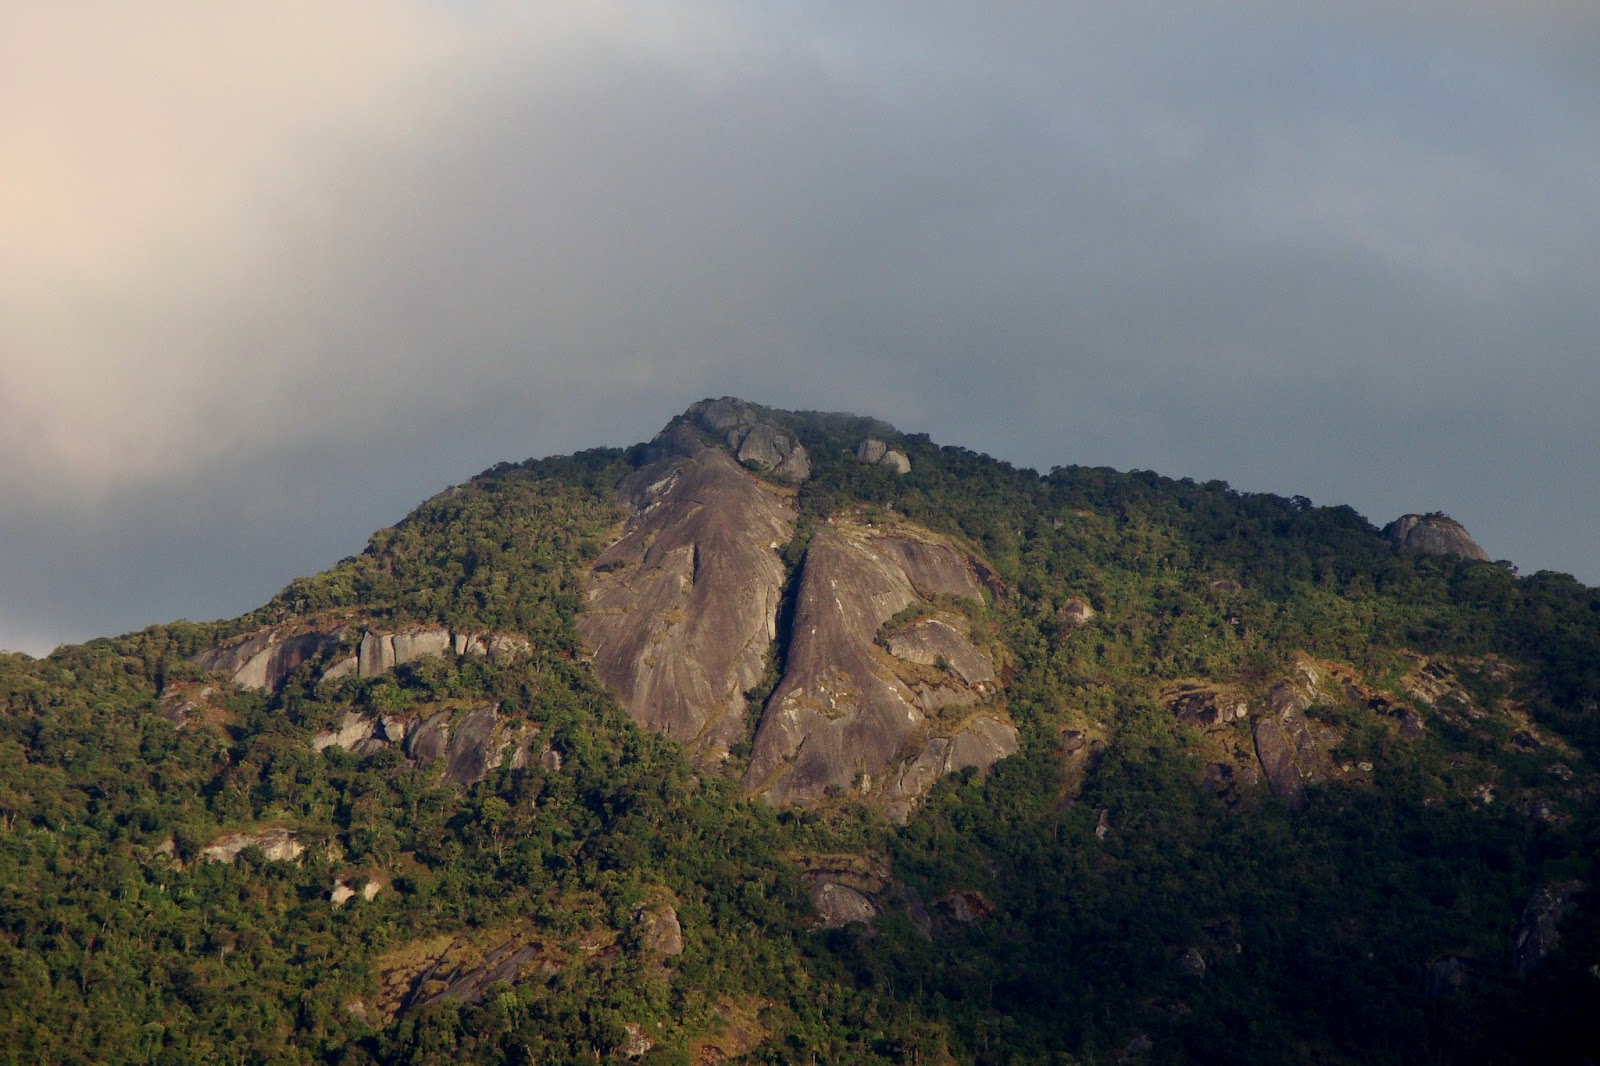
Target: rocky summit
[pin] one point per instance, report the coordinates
(788, 736)
(1433, 534)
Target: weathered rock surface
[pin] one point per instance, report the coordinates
(844, 715)
(471, 744)
(752, 437)
(660, 932)
(839, 905)
(875, 452)
(1445, 976)
(1539, 932)
(1433, 534)
(459, 970)
(1205, 706)
(277, 844)
(980, 743)
(1075, 612)
(265, 660)
(680, 612)
(1292, 755)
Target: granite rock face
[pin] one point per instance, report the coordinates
(265, 660)
(752, 437)
(1433, 534)
(680, 612)
(681, 616)
(849, 714)
(468, 744)
(1291, 754)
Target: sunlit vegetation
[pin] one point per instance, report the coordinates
(119, 942)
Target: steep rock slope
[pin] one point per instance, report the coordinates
(681, 610)
(846, 714)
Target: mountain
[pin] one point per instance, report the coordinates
(787, 736)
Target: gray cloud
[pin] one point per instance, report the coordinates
(1347, 256)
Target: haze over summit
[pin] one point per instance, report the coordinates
(276, 273)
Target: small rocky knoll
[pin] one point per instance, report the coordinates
(848, 714)
(680, 611)
(468, 743)
(264, 660)
(751, 435)
(1433, 534)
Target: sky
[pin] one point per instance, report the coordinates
(272, 273)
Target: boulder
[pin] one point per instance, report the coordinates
(871, 451)
(353, 729)
(749, 433)
(1433, 534)
(1444, 976)
(1075, 612)
(875, 452)
(839, 905)
(469, 745)
(660, 934)
(1191, 963)
(1276, 753)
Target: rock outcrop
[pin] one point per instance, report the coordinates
(849, 714)
(1433, 534)
(875, 452)
(681, 611)
(1292, 755)
(681, 616)
(840, 905)
(1539, 932)
(469, 744)
(1075, 612)
(844, 888)
(265, 660)
(752, 437)
(660, 932)
(276, 844)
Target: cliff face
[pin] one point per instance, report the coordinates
(681, 611)
(682, 616)
(1433, 534)
(850, 714)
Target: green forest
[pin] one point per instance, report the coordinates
(1120, 904)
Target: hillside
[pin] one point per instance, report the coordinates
(788, 736)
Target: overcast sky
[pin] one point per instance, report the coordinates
(271, 273)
